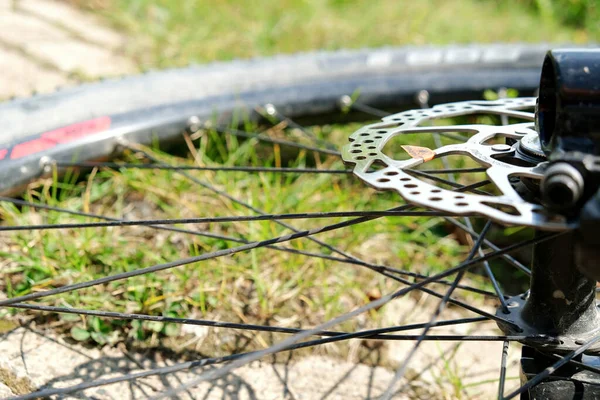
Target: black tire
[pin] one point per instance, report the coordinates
(57, 125)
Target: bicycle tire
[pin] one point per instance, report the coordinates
(88, 119)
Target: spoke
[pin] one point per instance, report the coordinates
(472, 188)
(453, 170)
(361, 263)
(503, 370)
(457, 302)
(513, 261)
(382, 114)
(301, 333)
(215, 374)
(391, 272)
(228, 252)
(113, 165)
(369, 110)
(247, 357)
(265, 138)
(579, 364)
(489, 272)
(254, 245)
(447, 170)
(501, 297)
(468, 223)
(450, 338)
(272, 111)
(372, 334)
(441, 306)
(486, 265)
(105, 218)
(385, 270)
(449, 135)
(451, 181)
(185, 261)
(244, 218)
(256, 210)
(502, 94)
(551, 369)
(201, 363)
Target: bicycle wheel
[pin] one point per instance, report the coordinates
(307, 105)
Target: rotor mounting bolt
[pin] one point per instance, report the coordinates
(501, 147)
(270, 109)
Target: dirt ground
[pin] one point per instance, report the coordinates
(34, 358)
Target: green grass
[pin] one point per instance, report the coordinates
(261, 286)
(166, 33)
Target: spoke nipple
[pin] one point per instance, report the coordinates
(194, 124)
(501, 147)
(547, 338)
(121, 141)
(346, 101)
(270, 109)
(502, 93)
(423, 98)
(46, 164)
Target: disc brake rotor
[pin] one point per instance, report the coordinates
(366, 149)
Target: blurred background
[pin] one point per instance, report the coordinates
(49, 43)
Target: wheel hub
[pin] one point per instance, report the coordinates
(540, 338)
